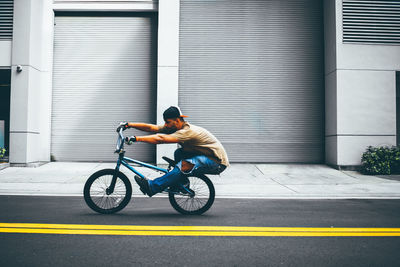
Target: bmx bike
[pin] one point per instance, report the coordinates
(109, 190)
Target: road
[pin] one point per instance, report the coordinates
(166, 248)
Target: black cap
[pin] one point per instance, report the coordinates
(173, 112)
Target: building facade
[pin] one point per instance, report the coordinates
(299, 81)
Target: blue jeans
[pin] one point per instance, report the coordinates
(202, 165)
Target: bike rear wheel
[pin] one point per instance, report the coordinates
(95, 192)
(197, 200)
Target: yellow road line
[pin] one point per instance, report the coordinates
(195, 228)
(151, 230)
(188, 233)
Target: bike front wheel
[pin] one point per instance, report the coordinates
(97, 196)
(196, 197)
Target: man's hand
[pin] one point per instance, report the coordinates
(123, 126)
(130, 140)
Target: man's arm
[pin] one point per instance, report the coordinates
(157, 139)
(151, 128)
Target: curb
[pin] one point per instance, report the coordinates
(249, 197)
(4, 165)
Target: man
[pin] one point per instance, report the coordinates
(200, 152)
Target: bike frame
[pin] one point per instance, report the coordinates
(122, 160)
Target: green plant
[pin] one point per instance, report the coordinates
(381, 160)
(395, 159)
(2, 152)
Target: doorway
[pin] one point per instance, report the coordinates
(5, 78)
(397, 108)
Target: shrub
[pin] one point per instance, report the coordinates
(381, 160)
(2, 152)
(395, 166)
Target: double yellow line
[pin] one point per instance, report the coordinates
(152, 230)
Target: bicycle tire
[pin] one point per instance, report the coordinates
(95, 192)
(199, 203)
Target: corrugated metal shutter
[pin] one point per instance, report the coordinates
(6, 19)
(371, 21)
(102, 1)
(104, 73)
(251, 72)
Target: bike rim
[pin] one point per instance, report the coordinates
(196, 201)
(99, 195)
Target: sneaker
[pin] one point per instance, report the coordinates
(144, 185)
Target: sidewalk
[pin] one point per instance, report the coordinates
(238, 181)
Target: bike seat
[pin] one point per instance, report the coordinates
(171, 162)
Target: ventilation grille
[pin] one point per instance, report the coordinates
(369, 21)
(6, 19)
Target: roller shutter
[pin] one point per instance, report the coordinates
(104, 72)
(252, 73)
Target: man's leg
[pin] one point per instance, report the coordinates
(200, 165)
(159, 184)
(180, 154)
(197, 164)
(186, 166)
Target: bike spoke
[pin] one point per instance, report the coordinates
(97, 191)
(100, 197)
(197, 201)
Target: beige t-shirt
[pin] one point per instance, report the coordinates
(196, 139)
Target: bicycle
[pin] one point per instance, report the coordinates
(109, 190)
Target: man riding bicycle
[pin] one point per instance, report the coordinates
(200, 152)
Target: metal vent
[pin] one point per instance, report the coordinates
(6, 19)
(369, 21)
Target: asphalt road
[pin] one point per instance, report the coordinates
(29, 249)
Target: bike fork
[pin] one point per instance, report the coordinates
(110, 189)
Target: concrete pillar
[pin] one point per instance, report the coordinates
(330, 35)
(168, 65)
(360, 92)
(31, 82)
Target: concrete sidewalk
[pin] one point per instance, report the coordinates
(238, 181)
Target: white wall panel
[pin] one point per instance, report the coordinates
(366, 102)
(5, 55)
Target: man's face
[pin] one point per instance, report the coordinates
(173, 124)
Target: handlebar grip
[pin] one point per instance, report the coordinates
(130, 140)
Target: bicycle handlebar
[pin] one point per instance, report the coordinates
(120, 141)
